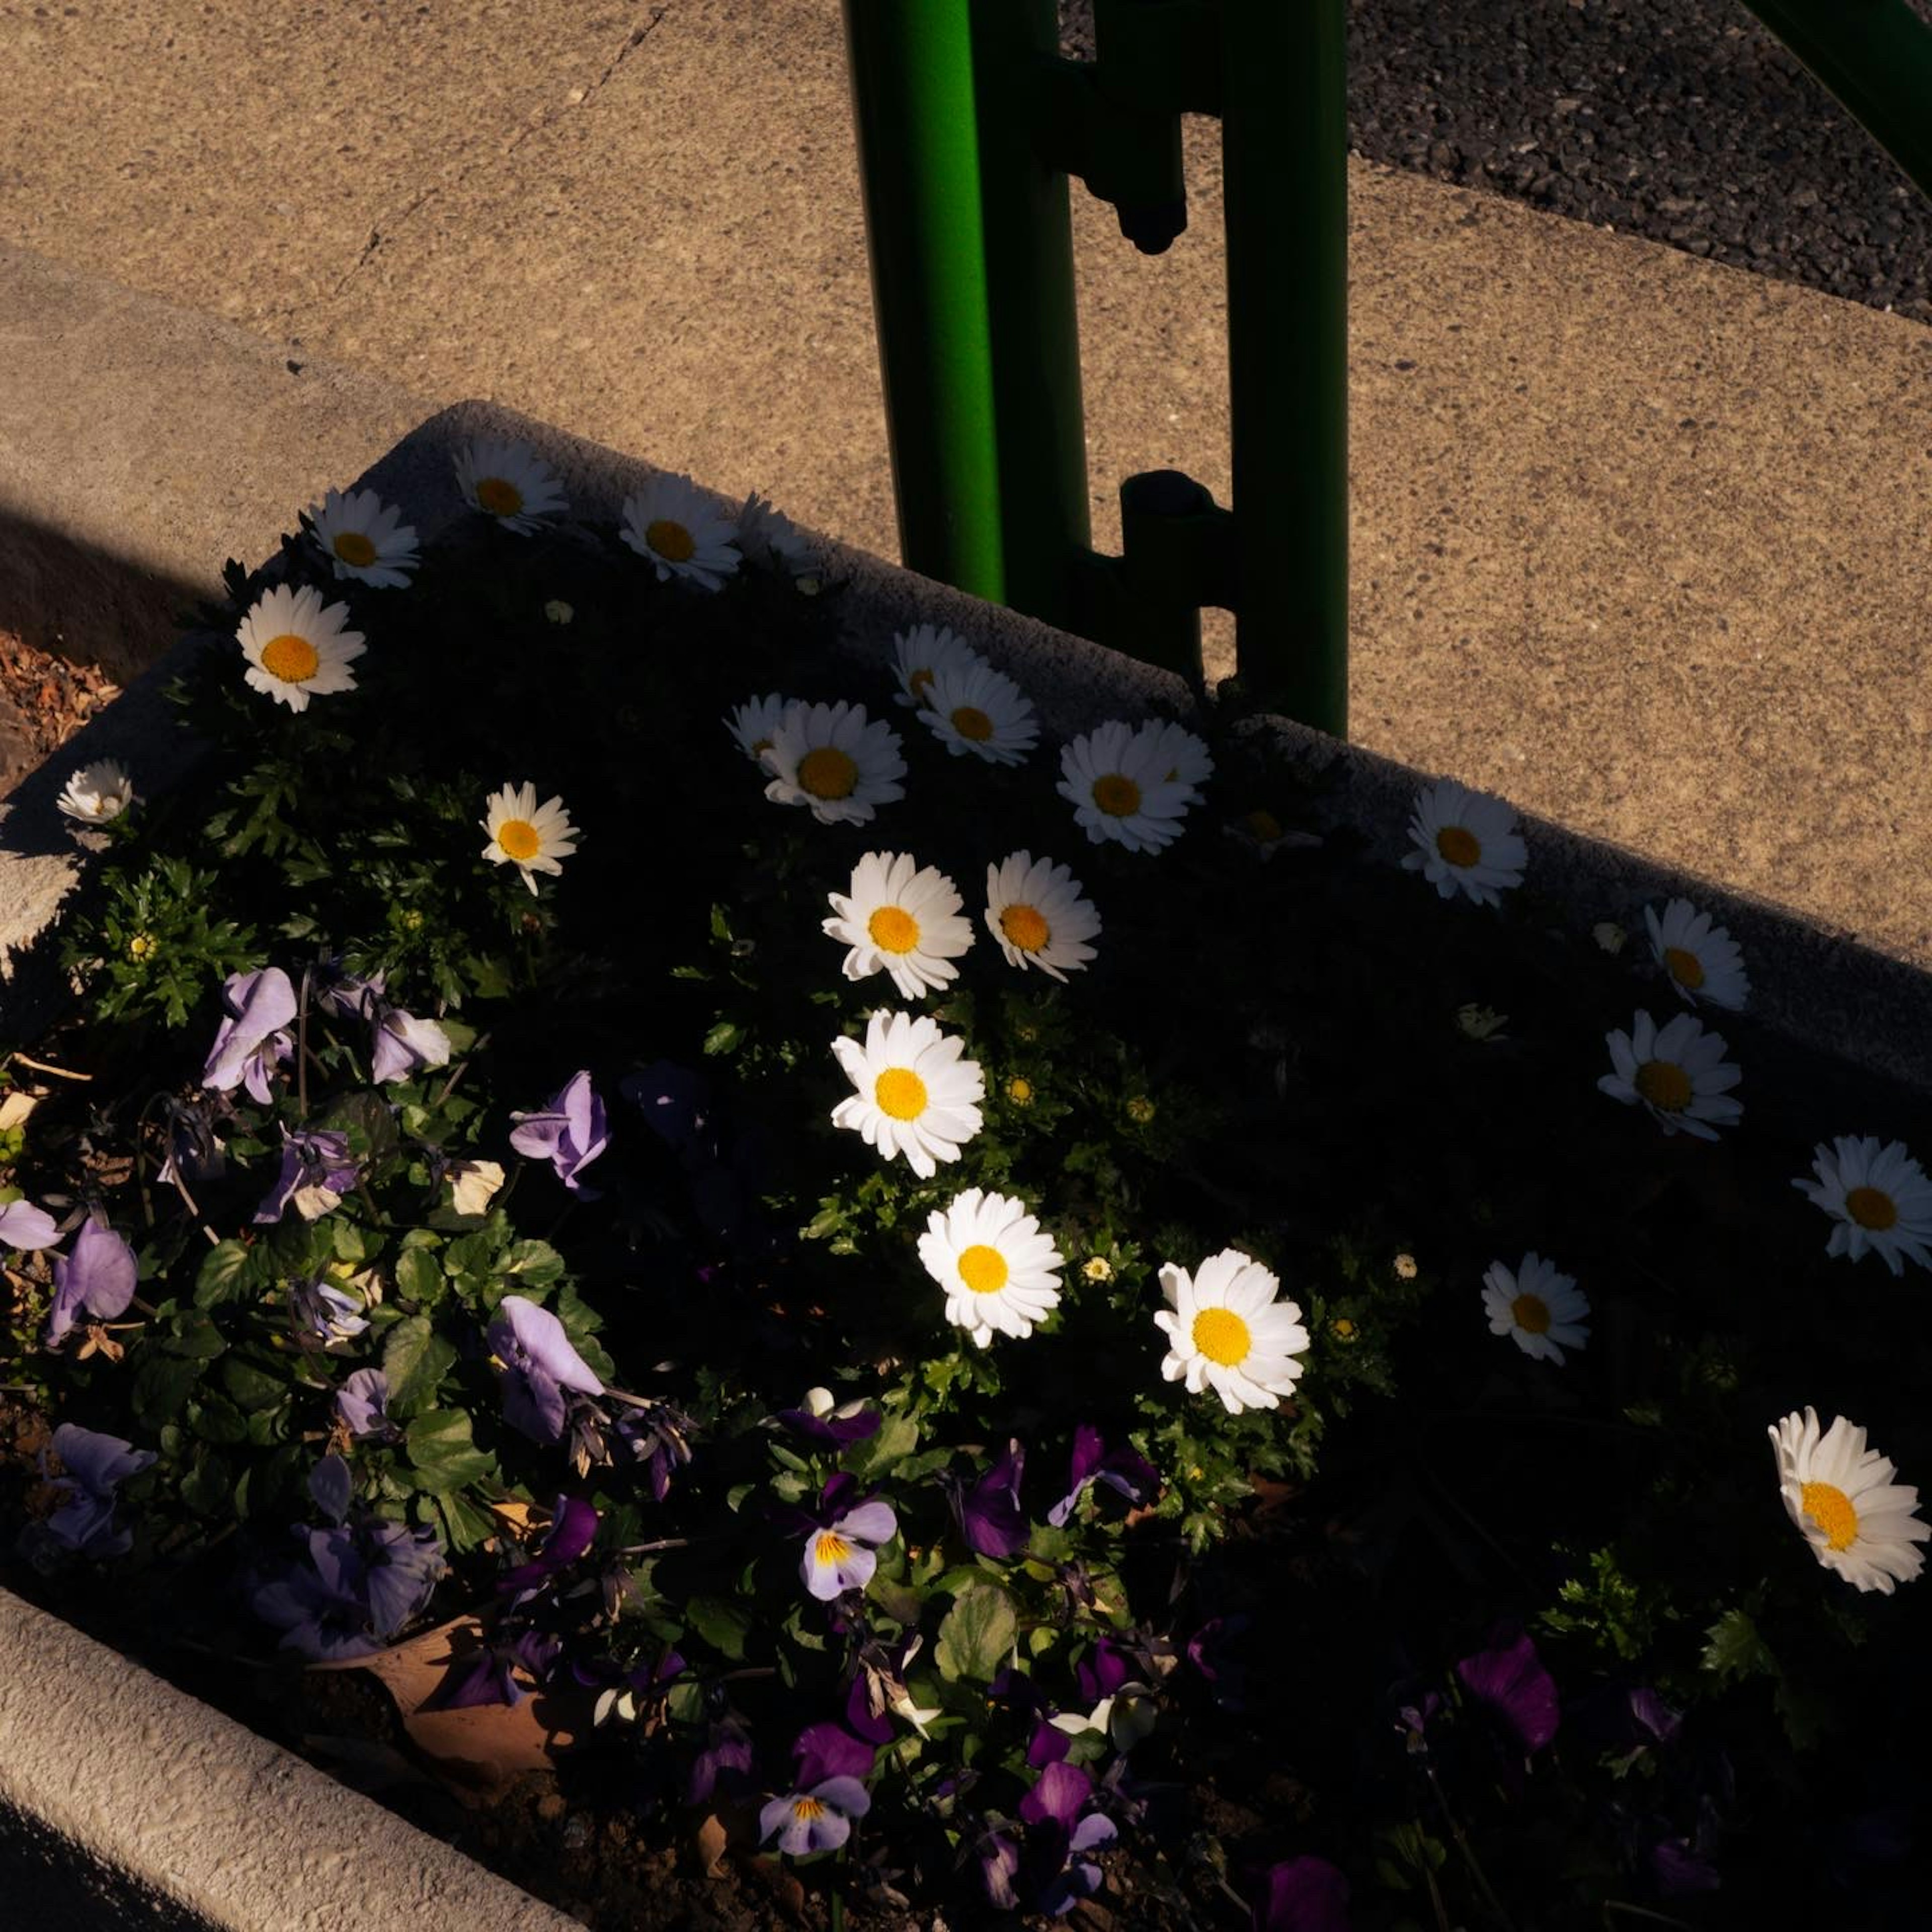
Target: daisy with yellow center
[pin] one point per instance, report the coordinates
(1466, 841)
(1036, 912)
(1544, 1310)
(903, 918)
(96, 793)
(1189, 761)
(996, 1266)
(915, 1096)
(1226, 1330)
(922, 653)
(1124, 785)
(1701, 961)
(1879, 1196)
(669, 524)
(754, 724)
(1841, 1496)
(295, 649)
(770, 538)
(508, 481)
(532, 838)
(973, 708)
(830, 759)
(1678, 1073)
(359, 537)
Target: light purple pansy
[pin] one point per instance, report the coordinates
(539, 1364)
(323, 1312)
(1059, 1835)
(97, 1274)
(817, 1820)
(1507, 1678)
(24, 1227)
(569, 1132)
(94, 1467)
(1136, 1477)
(317, 1170)
(361, 1585)
(839, 1553)
(251, 1038)
(362, 1403)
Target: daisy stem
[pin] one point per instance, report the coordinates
(1467, 1851)
(462, 1068)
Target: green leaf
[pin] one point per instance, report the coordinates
(223, 1276)
(536, 1263)
(251, 1387)
(161, 1385)
(1735, 1650)
(415, 1358)
(978, 1633)
(897, 1439)
(215, 1419)
(722, 1623)
(441, 1452)
(194, 1334)
(465, 1525)
(724, 1036)
(208, 1488)
(418, 1275)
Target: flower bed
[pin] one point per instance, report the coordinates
(939, 1317)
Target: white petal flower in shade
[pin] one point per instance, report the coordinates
(974, 708)
(1703, 962)
(1264, 835)
(532, 838)
(1466, 841)
(1677, 1072)
(1841, 1496)
(923, 652)
(1190, 762)
(1880, 1197)
(96, 793)
(510, 481)
(295, 649)
(903, 917)
(1542, 1308)
(1036, 911)
(754, 724)
(669, 524)
(996, 1267)
(827, 757)
(1116, 779)
(769, 537)
(359, 536)
(1226, 1330)
(916, 1095)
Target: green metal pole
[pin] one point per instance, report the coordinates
(1285, 141)
(913, 107)
(1876, 57)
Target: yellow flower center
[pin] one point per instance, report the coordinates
(831, 1547)
(670, 540)
(828, 772)
(518, 838)
(807, 1809)
(982, 1269)
(1459, 845)
(1343, 1329)
(892, 929)
(1098, 1269)
(499, 498)
(1686, 968)
(1665, 1084)
(1263, 826)
(1020, 1092)
(140, 946)
(1830, 1509)
(1871, 1207)
(291, 658)
(1117, 795)
(920, 679)
(1024, 928)
(900, 1093)
(1140, 1108)
(1222, 1336)
(971, 722)
(353, 547)
(1531, 1313)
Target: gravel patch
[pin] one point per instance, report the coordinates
(1684, 121)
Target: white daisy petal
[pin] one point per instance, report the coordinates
(532, 838)
(923, 652)
(754, 723)
(973, 708)
(1880, 1197)
(1676, 1073)
(911, 1099)
(295, 649)
(1217, 1332)
(360, 539)
(981, 1251)
(1831, 1488)
(829, 758)
(508, 481)
(96, 793)
(670, 524)
(1536, 1306)
(902, 919)
(1466, 841)
(1116, 779)
(1038, 916)
(1702, 962)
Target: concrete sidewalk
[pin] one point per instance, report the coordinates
(1643, 544)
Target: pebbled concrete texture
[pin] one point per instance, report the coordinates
(1640, 542)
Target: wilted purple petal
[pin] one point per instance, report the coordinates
(24, 1227)
(837, 1427)
(403, 1043)
(727, 1756)
(573, 1530)
(999, 1867)
(1102, 1671)
(1305, 1894)
(540, 1365)
(875, 1727)
(323, 1312)
(404, 1566)
(1048, 1745)
(1512, 1683)
(94, 1466)
(1654, 1715)
(259, 1004)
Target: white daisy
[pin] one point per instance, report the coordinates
(1467, 839)
(508, 481)
(1116, 779)
(975, 708)
(901, 917)
(359, 537)
(1226, 1330)
(532, 838)
(1542, 1308)
(925, 651)
(996, 1267)
(1678, 1071)
(1036, 912)
(916, 1095)
(767, 536)
(96, 793)
(1264, 835)
(1881, 1197)
(1188, 760)
(669, 524)
(296, 650)
(1858, 1521)
(1703, 962)
(755, 724)
(827, 757)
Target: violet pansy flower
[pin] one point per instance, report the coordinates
(990, 1518)
(839, 1553)
(360, 1586)
(573, 1529)
(317, 1170)
(569, 1131)
(24, 1227)
(323, 1313)
(404, 1043)
(817, 1820)
(487, 1673)
(251, 1038)
(1304, 1894)
(1052, 1874)
(362, 1405)
(97, 1274)
(539, 1364)
(1136, 1477)
(1507, 1679)
(94, 1467)
(817, 1419)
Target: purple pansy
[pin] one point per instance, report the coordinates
(1051, 1874)
(1132, 1474)
(323, 1313)
(401, 1042)
(24, 1227)
(539, 1364)
(1507, 1679)
(1208, 1651)
(839, 1549)
(723, 1764)
(989, 1513)
(817, 1820)
(362, 1405)
(569, 1132)
(94, 1467)
(330, 1486)
(96, 1273)
(820, 1422)
(360, 1586)
(1304, 1894)
(573, 1529)
(251, 1038)
(317, 1170)
(487, 1674)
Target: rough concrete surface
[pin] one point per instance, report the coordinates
(1640, 541)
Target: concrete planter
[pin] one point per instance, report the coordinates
(118, 1793)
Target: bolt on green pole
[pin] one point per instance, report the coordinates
(1285, 143)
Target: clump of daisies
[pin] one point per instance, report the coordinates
(1465, 841)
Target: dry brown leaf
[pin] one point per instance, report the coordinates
(712, 1839)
